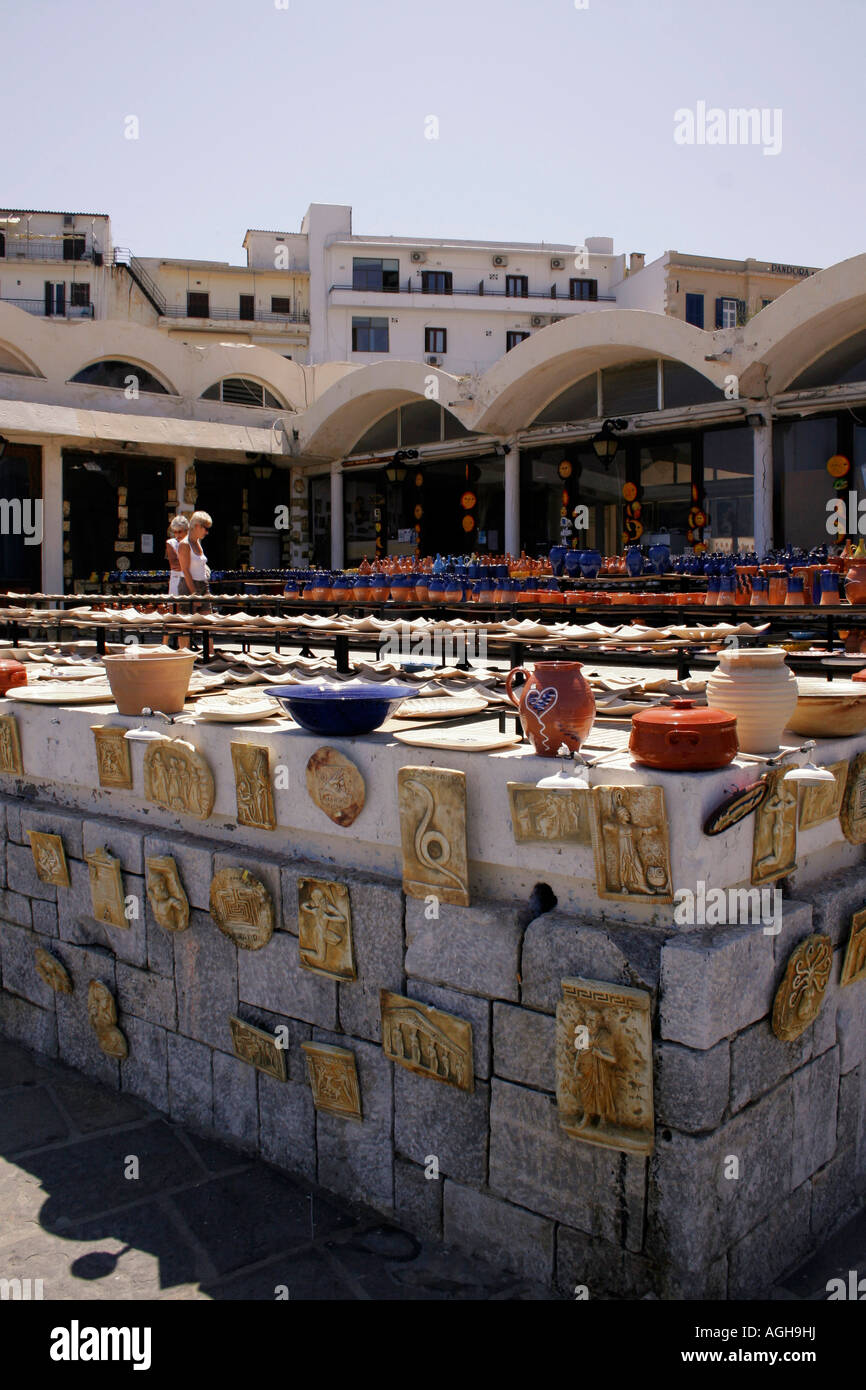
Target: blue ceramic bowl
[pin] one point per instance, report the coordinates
(358, 708)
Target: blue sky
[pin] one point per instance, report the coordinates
(555, 123)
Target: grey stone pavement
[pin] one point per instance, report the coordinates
(202, 1221)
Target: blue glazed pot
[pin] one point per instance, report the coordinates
(590, 563)
(660, 556)
(351, 709)
(634, 561)
(572, 563)
(557, 559)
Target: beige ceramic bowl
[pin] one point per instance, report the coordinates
(154, 678)
(829, 709)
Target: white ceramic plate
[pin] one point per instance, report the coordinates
(69, 693)
(473, 740)
(236, 709)
(439, 707)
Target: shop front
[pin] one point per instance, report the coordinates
(117, 507)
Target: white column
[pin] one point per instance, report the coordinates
(53, 534)
(512, 501)
(762, 439)
(337, 538)
(181, 464)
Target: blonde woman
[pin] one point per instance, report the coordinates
(193, 561)
(178, 530)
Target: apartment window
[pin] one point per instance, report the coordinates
(197, 305)
(765, 302)
(247, 306)
(436, 282)
(79, 295)
(280, 304)
(370, 273)
(513, 338)
(517, 286)
(583, 289)
(369, 335)
(238, 390)
(730, 312)
(55, 298)
(2, 243)
(695, 310)
(73, 248)
(435, 340)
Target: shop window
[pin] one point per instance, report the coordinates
(372, 273)
(729, 488)
(197, 305)
(436, 282)
(369, 335)
(111, 372)
(512, 338)
(630, 390)
(435, 340)
(801, 449)
(238, 390)
(582, 289)
(695, 310)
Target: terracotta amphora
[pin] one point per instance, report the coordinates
(556, 705)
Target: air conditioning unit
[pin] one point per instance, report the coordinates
(434, 361)
(418, 257)
(500, 260)
(557, 263)
(540, 320)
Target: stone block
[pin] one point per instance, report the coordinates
(26, 1023)
(128, 943)
(287, 1125)
(14, 907)
(494, 1230)
(377, 932)
(190, 1082)
(606, 1271)
(473, 949)
(851, 1026)
(356, 1157)
(44, 918)
(147, 996)
(194, 863)
(760, 1060)
(823, 1030)
(124, 843)
(524, 1046)
(432, 1119)
(557, 946)
(160, 946)
(74, 903)
(295, 1033)
(267, 871)
(13, 821)
(834, 899)
(834, 1189)
(205, 963)
(417, 1199)
(144, 1072)
(848, 1113)
(76, 1040)
(535, 1164)
(274, 979)
(21, 875)
(18, 964)
(235, 1100)
(781, 1240)
(816, 1095)
(467, 1006)
(51, 821)
(714, 983)
(691, 1088)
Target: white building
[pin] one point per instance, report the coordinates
(54, 264)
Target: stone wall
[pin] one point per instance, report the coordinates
(788, 1118)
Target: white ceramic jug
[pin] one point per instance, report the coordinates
(755, 685)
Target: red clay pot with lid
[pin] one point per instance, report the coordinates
(11, 673)
(684, 737)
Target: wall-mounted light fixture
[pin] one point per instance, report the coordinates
(605, 443)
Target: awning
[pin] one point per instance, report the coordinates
(27, 417)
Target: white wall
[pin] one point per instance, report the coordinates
(645, 289)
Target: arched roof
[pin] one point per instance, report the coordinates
(807, 320)
(13, 360)
(344, 412)
(132, 362)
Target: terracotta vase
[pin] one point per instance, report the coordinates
(755, 686)
(855, 582)
(556, 705)
(150, 679)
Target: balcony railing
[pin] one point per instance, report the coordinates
(37, 306)
(180, 311)
(20, 249)
(484, 289)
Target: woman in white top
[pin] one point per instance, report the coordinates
(193, 561)
(178, 529)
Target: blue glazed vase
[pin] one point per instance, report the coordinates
(557, 559)
(572, 563)
(590, 563)
(660, 556)
(634, 561)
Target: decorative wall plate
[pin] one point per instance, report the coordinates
(736, 807)
(49, 857)
(630, 844)
(334, 1079)
(336, 785)
(800, 995)
(854, 967)
(432, 806)
(259, 1048)
(242, 908)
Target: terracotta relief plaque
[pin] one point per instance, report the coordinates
(106, 888)
(177, 778)
(427, 1041)
(113, 762)
(822, 801)
(630, 844)
(242, 908)
(49, 857)
(259, 1048)
(432, 803)
(546, 814)
(325, 928)
(165, 892)
(735, 808)
(102, 1012)
(10, 748)
(854, 967)
(334, 1079)
(255, 796)
(801, 993)
(853, 815)
(774, 847)
(604, 1087)
(52, 971)
(336, 785)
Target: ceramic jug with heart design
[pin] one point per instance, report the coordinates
(556, 705)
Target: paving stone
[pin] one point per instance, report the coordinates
(21, 875)
(18, 960)
(558, 946)
(691, 1088)
(44, 918)
(474, 949)
(28, 1120)
(606, 1271)
(273, 979)
(356, 1157)
(771, 1247)
(23, 1022)
(15, 908)
(497, 1231)
(127, 1255)
(851, 1025)
(146, 995)
(19, 1067)
(77, 1042)
(50, 821)
(287, 1125)
(194, 862)
(190, 1081)
(306, 1275)
(432, 1119)
(235, 1099)
(535, 1164)
(816, 1092)
(377, 932)
(760, 1060)
(144, 1072)
(834, 900)
(125, 844)
(417, 1198)
(206, 978)
(267, 871)
(524, 1046)
(834, 1190)
(714, 983)
(467, 1006)
(91, 1107)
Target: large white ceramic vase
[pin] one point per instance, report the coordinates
(755, 685)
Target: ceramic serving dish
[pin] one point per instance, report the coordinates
(683, 737)
(829, 709)
(12, 673)
(355, 708)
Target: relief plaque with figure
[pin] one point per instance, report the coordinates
(259, 1048)
(165, 893)
(177, 778)
(10, 747)
(325, 928)
(630, 844)
(853, 815)
(102, 1013)
(538, 813)
(854, 966)
(774, 847)
(427, 1041)
(106, 888)
(49, 857)
(604, 1089)
(432, 805)
(113, 763)
(823, 800)
(334, 1080)
(255, 797)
